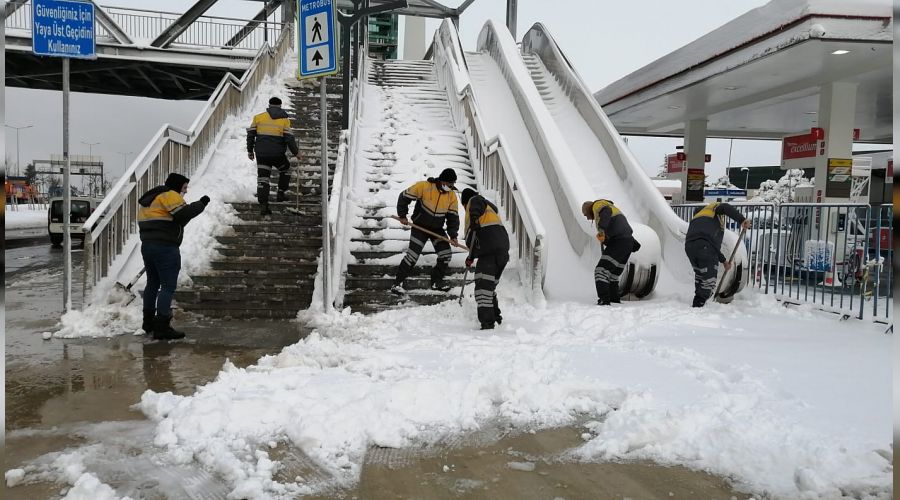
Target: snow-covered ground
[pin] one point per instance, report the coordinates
(26, 216)
(788, 402)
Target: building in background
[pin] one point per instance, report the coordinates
(384, 36)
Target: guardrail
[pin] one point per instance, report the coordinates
(142, 26)
(171, 149)
(836, 256)
(489, 159)
(337, 202)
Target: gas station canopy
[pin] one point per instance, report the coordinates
(760, 75)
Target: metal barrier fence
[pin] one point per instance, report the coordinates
(143, 26)
(836, 256)
(172, 149)
(489, 159)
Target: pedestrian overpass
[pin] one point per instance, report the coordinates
(147, 53)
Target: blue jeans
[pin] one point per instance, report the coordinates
(162, 264)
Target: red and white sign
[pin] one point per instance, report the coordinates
(799, 146)
(675, 163)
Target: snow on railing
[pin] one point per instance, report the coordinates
(497, 170)
(110, 232)
(344, 171)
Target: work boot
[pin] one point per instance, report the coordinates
(281, 196)
(614, 296)
(398, 289)
(441, 285)
(264, 210)
(147, 324)
(487, 326)
(698, 302)
(162, 329)
(603, 301)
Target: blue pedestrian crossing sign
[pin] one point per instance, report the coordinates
(62, 28)
(317, 53)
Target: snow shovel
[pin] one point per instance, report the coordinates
(730, 259)
(463, 287)
(438, 236)
(127, 288)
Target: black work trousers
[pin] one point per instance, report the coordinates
(417, 241)
(487, 274)
(264, 167)
(611, 265)
(705, 261)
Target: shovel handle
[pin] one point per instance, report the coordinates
(420, 228)
(730, 259)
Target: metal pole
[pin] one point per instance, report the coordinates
(17, 153)
(265, 21)
(512, 14)
(326, 250)
(67, 195)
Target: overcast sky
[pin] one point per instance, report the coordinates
(605, 41)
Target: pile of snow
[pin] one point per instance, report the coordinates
(26, 216)
(227, 175)
(722, 182)
(783, 190)
(774, 403)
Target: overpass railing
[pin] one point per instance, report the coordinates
(172, 149)
(835, 256)
(489, 158)
(143, 26)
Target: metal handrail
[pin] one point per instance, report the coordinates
(344, 173)
(497, 169)
(113, 225)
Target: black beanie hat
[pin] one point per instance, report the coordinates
(467, 195)
(448, 175)
(275, 101)
(176, 181)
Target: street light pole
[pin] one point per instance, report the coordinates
(17, 145)
(746, 178)
(90, 146)
(125, 159)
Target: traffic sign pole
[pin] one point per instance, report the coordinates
(67, 193)
(66, 29)
(317, 58)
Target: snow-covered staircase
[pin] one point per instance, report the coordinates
(407, 137)
(268, 264)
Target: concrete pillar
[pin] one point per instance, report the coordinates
(512, 13)
(414, 46)
(695, 150)
(837, 107)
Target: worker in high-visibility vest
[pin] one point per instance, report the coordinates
(267, 138)
(615, 235)
(703, 244)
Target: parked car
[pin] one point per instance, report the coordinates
(82, 208)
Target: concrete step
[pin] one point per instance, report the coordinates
(234, 313)
(382, 270)
(267, 251)
(279, 216)
(244, 282)
(265, 266)
(280, 208)
(251, 242)
(287, 231)
(258, 299)
(385, 283)
(370, 301)
(300, 271)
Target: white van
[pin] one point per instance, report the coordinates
(82, 208)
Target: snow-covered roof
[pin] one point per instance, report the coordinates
(775, 16)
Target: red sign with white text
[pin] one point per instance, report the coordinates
(798, 146)
(674, 164)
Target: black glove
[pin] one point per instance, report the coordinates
(469, 261)
(204, 200)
